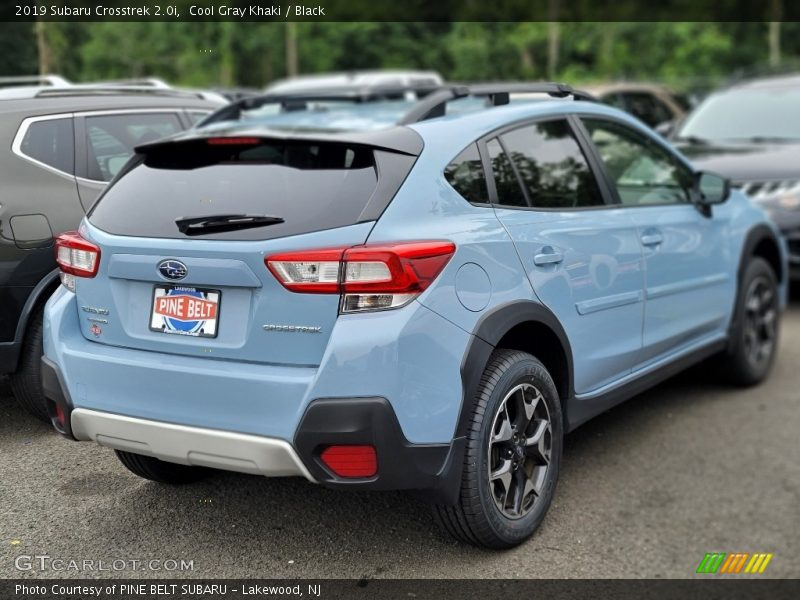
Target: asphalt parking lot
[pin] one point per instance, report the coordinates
(645, 491)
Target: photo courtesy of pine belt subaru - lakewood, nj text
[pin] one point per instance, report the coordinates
(420, 295)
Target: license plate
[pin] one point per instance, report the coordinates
(184, 310)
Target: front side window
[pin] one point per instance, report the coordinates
(111, 139)
(467, 177)
(51, 142)
(643, 171)
(549, 165)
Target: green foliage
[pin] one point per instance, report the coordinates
(17, 49)
(252, 54)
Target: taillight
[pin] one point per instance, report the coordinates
(76, 257)
(370, 277)
(314, 272)
(351, 461)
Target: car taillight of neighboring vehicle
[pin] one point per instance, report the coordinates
(369, 277)
(76, 257)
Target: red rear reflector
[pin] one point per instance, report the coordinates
(351, 461)
(232, 141)
(60, 418)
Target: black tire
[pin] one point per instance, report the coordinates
(159, 470)
(754, 337)
(26, 383)
(478, 518)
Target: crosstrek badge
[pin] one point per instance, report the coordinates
(185, 311)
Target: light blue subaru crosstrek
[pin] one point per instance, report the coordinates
(429, 305)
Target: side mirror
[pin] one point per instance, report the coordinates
(711, 189)
(665, 129)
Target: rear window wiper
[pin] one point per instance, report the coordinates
(223, 223)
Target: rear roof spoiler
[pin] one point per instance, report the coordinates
(395, 139)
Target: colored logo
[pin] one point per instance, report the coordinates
(186, 310)
(734, 563)
(95, 329)
(172, 269)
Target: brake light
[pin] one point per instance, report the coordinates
(351, 461)
(232, 141)
(76, 257)
(369, 277)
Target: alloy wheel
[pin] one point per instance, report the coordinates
(519, 451)
(760, 323)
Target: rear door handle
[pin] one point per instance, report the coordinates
(652, 238)
(548, 256)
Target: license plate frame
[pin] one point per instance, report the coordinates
(174, 322)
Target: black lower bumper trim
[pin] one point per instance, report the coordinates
(56, 392)
(402, 465)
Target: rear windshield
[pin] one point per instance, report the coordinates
(311, 186)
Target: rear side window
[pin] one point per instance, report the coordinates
(110, 139)
(550, 166)
(310, 185)
(467, 177)
(51, 142)
(509, 192)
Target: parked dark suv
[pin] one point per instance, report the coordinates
(60, 147)
(750, 133)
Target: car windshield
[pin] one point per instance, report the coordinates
(747, 114)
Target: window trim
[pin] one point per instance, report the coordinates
(607, 195)
(22, 131)
(578, 117)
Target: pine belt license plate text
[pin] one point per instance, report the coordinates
(185, 310)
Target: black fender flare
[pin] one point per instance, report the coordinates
(755, 236)
(39, 293)
(488, 332)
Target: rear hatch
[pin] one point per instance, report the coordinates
(184, 232)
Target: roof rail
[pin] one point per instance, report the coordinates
(292, 101)
(432, 100)
(26, 80)
(86, 90)
(143, 82)
(497, 94)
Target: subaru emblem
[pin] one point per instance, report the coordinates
(172, 269)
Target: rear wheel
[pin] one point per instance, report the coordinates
(513, 454)
(755, 337)
(26, 383)
(159, 470)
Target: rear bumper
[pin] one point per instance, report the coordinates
(189, 445)
(393, 382)
(431, 469)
